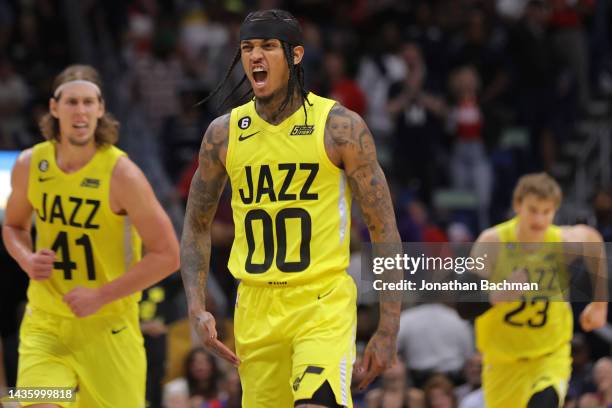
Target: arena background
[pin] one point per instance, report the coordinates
(462, 96)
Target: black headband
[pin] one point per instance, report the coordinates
(279, 29)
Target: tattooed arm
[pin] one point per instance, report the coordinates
(206, 188)
(355, 152)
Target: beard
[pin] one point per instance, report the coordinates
(278, 95)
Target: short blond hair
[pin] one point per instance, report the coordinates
(541, 185)
(107, 130)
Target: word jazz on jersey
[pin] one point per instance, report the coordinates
(72, 211)
(253, 193)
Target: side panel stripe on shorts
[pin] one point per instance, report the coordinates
(343, 381)
(127, 243)
(343, 207)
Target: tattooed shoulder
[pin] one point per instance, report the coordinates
(343, 133)
(340, 126)
(215, 141)
(347, 131)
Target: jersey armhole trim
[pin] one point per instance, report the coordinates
(231, 132)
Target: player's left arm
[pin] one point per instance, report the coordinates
(356, 153)
(595, 313)
(132, 193)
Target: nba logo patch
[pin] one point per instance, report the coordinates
(244, 122)
(43, 165)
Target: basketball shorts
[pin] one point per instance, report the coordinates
(512, 384)
(102, 357)
(291, 340)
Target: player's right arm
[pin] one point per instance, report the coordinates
(484, 248)
(206, 188)
(16, 228)
(355, 152)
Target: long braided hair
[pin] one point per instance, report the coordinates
(295, 83)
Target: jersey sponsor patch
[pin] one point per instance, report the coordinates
(90, 182)
(302, 130)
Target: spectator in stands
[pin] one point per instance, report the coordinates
(603, 378)
(176, 394)
(203, 378)
(470, 167)
(418, 129)
(570, 41)
(602, 206)
(233, 389)
(481, 45)
(415, 224)
(13, 98)
(439, 393)
(341, 86)
(581, 380)
(536, 77)
(472, 372)
(377, 71)
(158, 309)
(204, 43)
(469, 395)
(440, 347)
(157, 75)
(394, 391)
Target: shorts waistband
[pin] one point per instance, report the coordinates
(30, 309)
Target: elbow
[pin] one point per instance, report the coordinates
(174, 259)
(171, 260)
(174, 264)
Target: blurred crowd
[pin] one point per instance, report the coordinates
(462, 97)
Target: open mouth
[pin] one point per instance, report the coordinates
(80, 126)
(259, 76)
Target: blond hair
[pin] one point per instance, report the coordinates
(541, 185)
(107, 130)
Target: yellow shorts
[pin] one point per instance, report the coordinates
(291, 340)
(512, 384)
(102, 357)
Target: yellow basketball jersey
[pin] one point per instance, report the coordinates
(93, 245)
(291, 204)
(541, 321)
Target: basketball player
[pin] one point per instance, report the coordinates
(92, 207)
(526, 342)
(293, 159)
